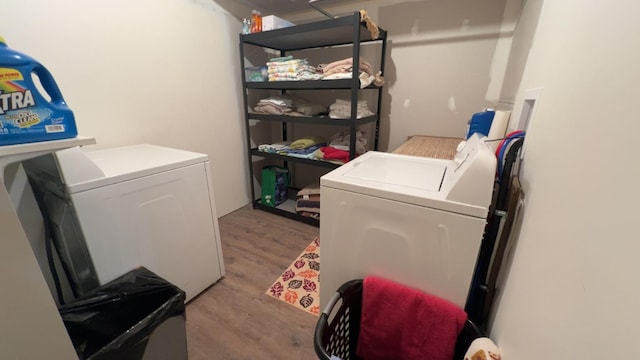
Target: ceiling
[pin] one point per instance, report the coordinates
(280, 7)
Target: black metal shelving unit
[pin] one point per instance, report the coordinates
(347, 30)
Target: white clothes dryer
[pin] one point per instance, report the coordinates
(144, 205)
(417, 221)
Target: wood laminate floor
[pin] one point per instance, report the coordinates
(235, 319)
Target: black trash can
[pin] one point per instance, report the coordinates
(136, 316)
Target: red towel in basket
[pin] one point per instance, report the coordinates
(399, 322)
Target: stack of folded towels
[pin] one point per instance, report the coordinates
(277, 105)
(317, 148)
(305, 147)
(341, 109)
(289, 105)
(308, 202)
(343, 69)
(287, 68)
(338, 148)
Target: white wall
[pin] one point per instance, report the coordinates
(439, 62)
(163, 72)
(572, 291)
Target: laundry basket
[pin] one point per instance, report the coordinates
(339, 337)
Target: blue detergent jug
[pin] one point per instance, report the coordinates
(25, 115)
(480, 123)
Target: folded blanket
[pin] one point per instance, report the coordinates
(313, 189)
(288, 62)
(309, 108)
(275, 147)
(272, 109)
(346, 65)
(307, 206)
(306, 75)
(319, 155)
(307, 153)
(291, 68)
(282, 100)
(308, 141)
(331, 153)
(338, 76)
(341, 109)
(311, 198)
(284, 77)
(399, 322)
(294, 76)
(281, 59)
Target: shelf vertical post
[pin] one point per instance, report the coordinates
(245, 110)
(355, 86)
(376, 138)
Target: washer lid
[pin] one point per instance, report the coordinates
(405, 172)
(84, 170)
(414, 180)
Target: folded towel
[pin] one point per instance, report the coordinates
(331, 153)
(307, 206)
(345, 65)
(482, 349)
(313, 189)
(308, 108)
(306, 142)
(399, 322)
(341, 109)
(281, 59)
(277, 100)
(306, 153)
(275, 147)
(272, 109)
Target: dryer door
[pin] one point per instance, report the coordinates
(163, 222)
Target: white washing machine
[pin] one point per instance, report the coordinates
(418, 221)
(145, 205)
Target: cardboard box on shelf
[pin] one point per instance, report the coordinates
(272, 22)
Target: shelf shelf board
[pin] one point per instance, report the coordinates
(268, 155)
(284, 211)
(331, 32)
(337, 84)
(315, 120)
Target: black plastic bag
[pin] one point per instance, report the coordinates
(116, 320)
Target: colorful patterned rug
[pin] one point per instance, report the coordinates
(299, 285)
